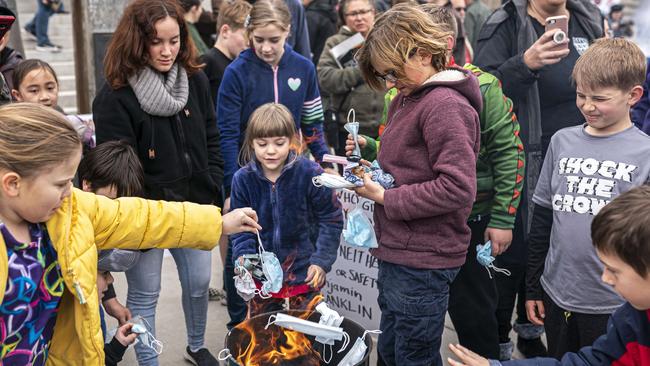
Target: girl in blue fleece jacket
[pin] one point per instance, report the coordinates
(269, 71)
(277, 183)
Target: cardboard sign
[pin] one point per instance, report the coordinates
(352, 283)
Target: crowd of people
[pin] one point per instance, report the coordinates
(518, 156)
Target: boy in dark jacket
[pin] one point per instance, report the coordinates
(621, 236)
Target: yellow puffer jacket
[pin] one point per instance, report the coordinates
(86, 223)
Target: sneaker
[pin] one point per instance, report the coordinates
(49, 48)
(202, 357)
(224, 300)
(214, 294)
(531, 348)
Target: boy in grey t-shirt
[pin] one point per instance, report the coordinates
(585, 168)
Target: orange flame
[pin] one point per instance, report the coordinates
(277, 345)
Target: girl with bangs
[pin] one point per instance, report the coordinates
(157, 100)
(277, 183)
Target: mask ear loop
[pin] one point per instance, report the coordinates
(224, 354)
(261, 294)
(271, 320)
(325, 346)
(156, 345)
(497, 269)
(317, 181)
(346, 342)
(354, 115)
(370, 332)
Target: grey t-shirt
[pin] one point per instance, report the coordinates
(580, 175)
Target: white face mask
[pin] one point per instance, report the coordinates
(244, 284)
(358, 350)
(141, 326)
(310, 328)
(329, 318)
(331, 181)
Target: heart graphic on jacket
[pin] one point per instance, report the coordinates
(294, 84)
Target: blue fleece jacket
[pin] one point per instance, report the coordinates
(249, 82)
(286, 209)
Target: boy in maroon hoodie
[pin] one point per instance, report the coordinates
(430, 146)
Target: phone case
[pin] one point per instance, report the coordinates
(562, 23)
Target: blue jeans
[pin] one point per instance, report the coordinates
(194, 268)
(237, 308)
(39, 24)
(413, 304)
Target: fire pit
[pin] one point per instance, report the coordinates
(252, 345)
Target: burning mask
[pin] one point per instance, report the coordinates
(311, 328)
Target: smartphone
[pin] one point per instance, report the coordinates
(5, 24)
(560, 22)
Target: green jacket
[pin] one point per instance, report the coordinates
(348, 83)
(196, 38)
(500, 163)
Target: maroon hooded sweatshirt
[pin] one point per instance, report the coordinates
(430, 146)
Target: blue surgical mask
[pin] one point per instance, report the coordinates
(485, 258)
(359, 231)
(272, 270)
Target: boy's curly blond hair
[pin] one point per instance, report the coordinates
(396, 36)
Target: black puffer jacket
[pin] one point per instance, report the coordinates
(180, 154)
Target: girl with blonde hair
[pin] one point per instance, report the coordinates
(50, 234)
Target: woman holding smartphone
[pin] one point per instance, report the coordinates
(158, 101)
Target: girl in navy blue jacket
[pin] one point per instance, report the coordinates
(277, 183)
(269, 71)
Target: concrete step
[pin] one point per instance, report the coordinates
(68, 99)
(63, 68)
(66, 82)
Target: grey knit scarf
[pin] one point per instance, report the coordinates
(160, 94)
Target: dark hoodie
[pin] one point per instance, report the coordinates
(430, 146)
(321, 22)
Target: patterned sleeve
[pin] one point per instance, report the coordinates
(311, 123)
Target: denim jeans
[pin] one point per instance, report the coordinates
(413, 304)
(39, 24)
(194, 268)
(237, 308)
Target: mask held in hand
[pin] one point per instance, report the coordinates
(485, 258)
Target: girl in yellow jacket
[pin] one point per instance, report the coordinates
(50, 234)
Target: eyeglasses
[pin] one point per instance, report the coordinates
(358, 13)
(388, 77)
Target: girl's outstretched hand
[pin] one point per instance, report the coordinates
(239, 220)
(315, 276)
(467, 357)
